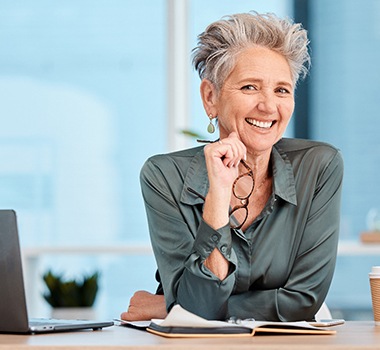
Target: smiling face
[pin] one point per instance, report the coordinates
(256, 99)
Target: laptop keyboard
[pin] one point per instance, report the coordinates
(43, 322)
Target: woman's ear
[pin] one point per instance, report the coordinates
(209, 97)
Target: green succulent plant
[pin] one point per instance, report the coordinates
(70, 293)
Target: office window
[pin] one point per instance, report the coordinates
(345, 38)
(82, 105)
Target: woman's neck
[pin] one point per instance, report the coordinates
(259, 163)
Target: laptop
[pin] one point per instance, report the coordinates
(13, 309)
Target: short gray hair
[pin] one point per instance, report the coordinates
(218, 45)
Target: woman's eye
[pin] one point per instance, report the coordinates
(283, 91)
(249, 87)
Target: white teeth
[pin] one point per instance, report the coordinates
(264, 125)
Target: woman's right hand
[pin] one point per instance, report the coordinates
(144, 306)
(222, 160)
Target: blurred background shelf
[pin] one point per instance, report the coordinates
(350, 248)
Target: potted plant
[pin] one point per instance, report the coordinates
(71, 298)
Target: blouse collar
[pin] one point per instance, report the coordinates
(197, 180)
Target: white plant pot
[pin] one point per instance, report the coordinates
(74, 313)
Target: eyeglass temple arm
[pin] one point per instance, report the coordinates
(196, 193)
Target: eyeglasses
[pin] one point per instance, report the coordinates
(242, 189)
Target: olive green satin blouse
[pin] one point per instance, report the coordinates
(281, 266)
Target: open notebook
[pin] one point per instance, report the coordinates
(13, 310)
(180, 323)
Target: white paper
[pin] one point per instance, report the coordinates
(179, 317)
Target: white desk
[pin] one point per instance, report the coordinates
(352, 335)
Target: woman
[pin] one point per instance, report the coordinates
(246, 226)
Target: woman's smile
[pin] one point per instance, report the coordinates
(260, 124)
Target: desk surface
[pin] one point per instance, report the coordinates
(352, 335)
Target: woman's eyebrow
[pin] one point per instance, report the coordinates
(259, 80)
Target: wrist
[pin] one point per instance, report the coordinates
(216, 209)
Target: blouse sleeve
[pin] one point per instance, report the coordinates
(180, 247)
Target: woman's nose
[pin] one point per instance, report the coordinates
(267, 104)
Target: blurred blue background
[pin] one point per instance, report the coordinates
(84, 101)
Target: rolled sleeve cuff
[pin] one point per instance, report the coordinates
(208, 239)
